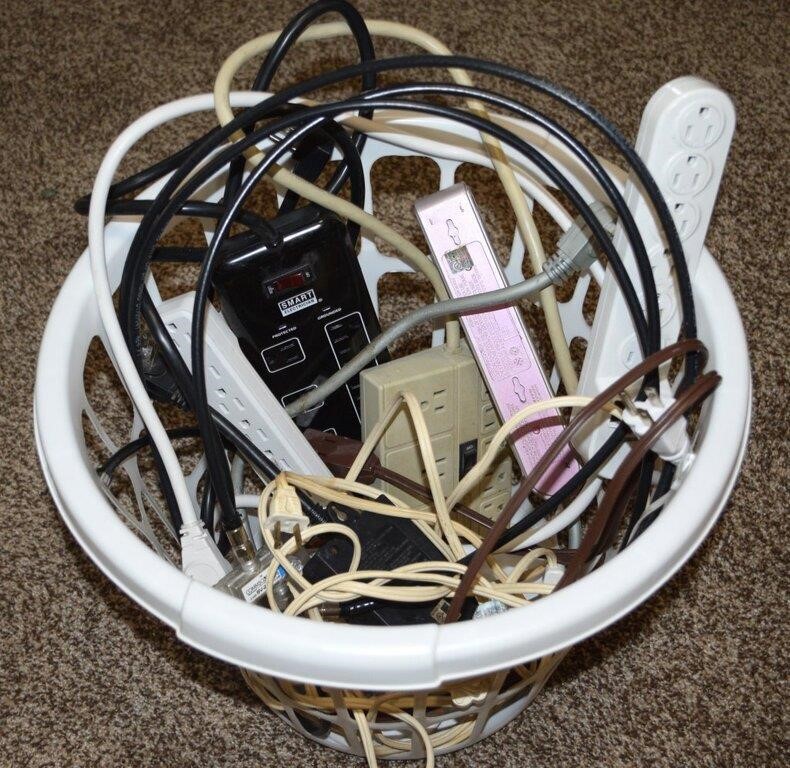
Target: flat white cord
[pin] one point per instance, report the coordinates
(103, 290)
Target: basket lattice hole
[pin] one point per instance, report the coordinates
(396, 182)
(263, 201)
(591, 302)
(399, 293)
(105, 393)
(174, 279)
(578, 348)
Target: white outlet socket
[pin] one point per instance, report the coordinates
(686, 216)
(684, 138)
(235, 390)
(689, 173)
(701, 124)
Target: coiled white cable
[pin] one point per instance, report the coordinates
(102, 282)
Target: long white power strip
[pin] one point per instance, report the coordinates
(684, 138)
(236, 391)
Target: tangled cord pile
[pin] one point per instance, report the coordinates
(512, 564)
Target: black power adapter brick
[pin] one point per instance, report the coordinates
(387, 543)
(300, 310)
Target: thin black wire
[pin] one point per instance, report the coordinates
(460, 62)
(125, 452)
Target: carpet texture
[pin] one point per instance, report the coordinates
(694, 677)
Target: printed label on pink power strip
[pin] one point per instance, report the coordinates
(498, 338)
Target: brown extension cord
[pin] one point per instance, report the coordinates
(338, 453)
(606, 520)
(575, 426)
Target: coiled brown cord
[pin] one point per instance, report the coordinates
(651, 363)
(607, 518)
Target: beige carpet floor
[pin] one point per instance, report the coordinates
(694, 677)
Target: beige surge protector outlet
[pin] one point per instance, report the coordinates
(460, 417)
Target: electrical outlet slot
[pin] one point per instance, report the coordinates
(686, 218)
(701, 125)
(689, 174)
(489, 418)
(441, 466)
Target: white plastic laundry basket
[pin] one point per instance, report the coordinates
(317, 675)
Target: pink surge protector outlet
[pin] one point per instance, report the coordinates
(498, 338)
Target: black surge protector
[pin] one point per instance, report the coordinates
(300, 310)
(386, 543)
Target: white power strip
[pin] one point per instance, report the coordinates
(236, 391)
(684, 138)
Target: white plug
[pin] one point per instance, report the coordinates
(200, 558)
(285, 500)
(285, 508)
(674, 444)
(553, 574)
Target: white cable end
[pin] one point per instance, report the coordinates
(200, 558)
(285, 509)
(553, 574)
(674, 445)
(285, 502)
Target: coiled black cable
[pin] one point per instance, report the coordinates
(204, 281)
(592, 221)
(689, 326)
(274, 58)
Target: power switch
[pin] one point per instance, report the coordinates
(467, 457)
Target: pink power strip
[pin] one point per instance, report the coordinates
(498, 338)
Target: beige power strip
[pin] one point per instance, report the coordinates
(460, 417)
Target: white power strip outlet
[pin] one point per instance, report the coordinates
(236, 391)
(684, 138)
